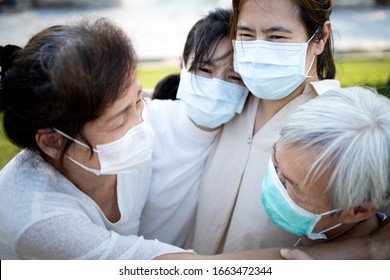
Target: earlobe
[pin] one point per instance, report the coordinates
(357, 214)
(180, 58)
(49, 142)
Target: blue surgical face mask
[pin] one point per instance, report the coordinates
(283, 211)
(210, 102)
(271, 70)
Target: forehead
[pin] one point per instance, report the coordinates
(263, 13)
(297, 162)
(222, 51)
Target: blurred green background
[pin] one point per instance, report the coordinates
(367, 72)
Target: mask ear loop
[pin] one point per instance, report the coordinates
(336, 225)
(311, 65)
(73, 139)
(312, 61)
(321, 235)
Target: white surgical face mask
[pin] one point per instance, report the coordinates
(271, 70)
(210, 102)
(123, 155)
(285, 213)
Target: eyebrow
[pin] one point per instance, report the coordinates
(244, 28)
(277, 29)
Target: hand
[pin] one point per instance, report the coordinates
(294, 254)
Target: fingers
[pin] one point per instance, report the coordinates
(294, 254)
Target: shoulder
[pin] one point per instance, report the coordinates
(29, 183)
(158, 108)
(320, 87)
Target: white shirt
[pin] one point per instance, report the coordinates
(44, 216)
(179, 153)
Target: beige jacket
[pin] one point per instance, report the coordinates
(230, 215)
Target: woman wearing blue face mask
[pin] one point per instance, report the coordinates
(211, 94)
(329, 171)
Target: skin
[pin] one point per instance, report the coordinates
(277, 21)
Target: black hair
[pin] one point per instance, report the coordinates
(205, 36)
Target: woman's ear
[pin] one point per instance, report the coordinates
(49, 141)
(356, 214)
(319, 45)
(180, 59)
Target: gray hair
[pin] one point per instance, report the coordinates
(348, 130)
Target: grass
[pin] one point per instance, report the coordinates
(150, 75)
(7, 150)
(373, 73)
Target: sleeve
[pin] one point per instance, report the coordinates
(73, 237)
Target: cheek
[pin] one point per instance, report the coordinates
(83, 156)
(201, 74)
(300, 200)
(308, 201)
(315, 48)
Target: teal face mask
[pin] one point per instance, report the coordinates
(283, 211)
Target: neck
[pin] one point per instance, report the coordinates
(267, 109)
(101, 189)
(346, 231)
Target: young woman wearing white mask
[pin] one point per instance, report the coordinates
(210, 94)
(283, 52)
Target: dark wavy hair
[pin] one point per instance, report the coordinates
(66, 76)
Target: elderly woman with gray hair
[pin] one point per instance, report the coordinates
(329, 175)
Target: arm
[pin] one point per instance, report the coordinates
(75, 237)
(261, 254)
(374, 246)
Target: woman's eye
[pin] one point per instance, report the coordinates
(205, 70)
(276, 37)
(235, 78)
(244, 35)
